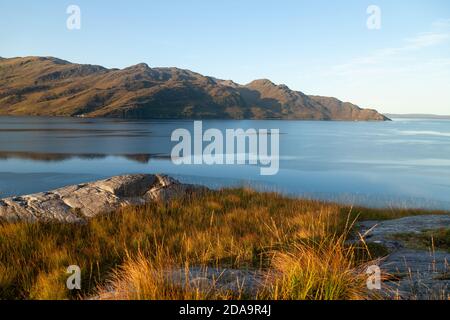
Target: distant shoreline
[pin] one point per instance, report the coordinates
(416, 116)
(181, 119)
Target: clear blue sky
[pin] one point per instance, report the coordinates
(318, 47)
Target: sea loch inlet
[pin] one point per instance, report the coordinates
(400, 163)
(233, 143)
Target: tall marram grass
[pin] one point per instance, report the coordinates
(298, 244)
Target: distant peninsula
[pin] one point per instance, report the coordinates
(47, 86)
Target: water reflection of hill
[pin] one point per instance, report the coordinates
(56, 157)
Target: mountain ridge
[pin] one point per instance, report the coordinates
(49, 86)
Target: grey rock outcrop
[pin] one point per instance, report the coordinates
(77, 203)
(419, 273)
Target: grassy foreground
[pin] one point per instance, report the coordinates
(298, 247)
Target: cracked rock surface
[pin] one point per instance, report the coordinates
(77, 203)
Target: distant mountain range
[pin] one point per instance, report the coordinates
(48, 86)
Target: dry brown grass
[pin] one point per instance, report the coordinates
(141, 278)
(301, 241)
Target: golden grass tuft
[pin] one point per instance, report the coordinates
(323, 270)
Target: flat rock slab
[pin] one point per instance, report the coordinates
(422, 274)
(413, 224)
(77, 203)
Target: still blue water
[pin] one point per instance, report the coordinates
(403, 163)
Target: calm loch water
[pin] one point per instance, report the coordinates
(403, 163)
